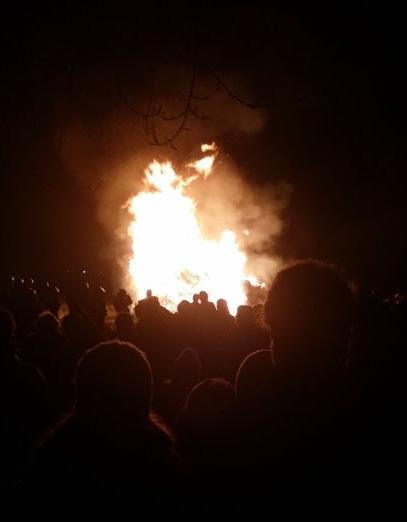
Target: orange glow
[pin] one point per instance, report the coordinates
(169, 254)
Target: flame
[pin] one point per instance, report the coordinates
(204, 165)
(211, 147)
(169, 254)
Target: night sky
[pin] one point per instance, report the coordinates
(332, 82)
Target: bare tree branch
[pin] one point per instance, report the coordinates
(252, 105)
(152, 115)
(190, 110)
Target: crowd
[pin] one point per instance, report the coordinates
(299, 398)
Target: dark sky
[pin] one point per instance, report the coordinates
(332, 81)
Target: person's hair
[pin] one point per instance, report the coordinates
(46, 322)
(309, 309)
(183, 306)
(254, 375)
(209, 400)
(203, 296)
(222, 306)
(114, 380)
(72, 324)
(123, 321)
(188, 366)
(244, 315)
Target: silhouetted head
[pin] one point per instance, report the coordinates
(46, 323)
(203, 297)
(124, 323)
(154, 302)
(72, 325)
(245, 315)
(222, 306)
(254, 375)
(122, 299)
(147, 308)
(258, 312)
(183, 307)
(309, 309)
(149, 294)
(195, 298)
(188, 367)
(7, 329)
(209, 401)
(77, 309)
(114, 384)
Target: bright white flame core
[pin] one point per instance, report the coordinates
(204, 165)
(169, 254)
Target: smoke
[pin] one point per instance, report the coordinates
(106, 148)
(254, 213)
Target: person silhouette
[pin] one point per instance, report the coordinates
(112, 443)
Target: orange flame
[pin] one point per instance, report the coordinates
(209, 147)
(169, 253)
(204, 165)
